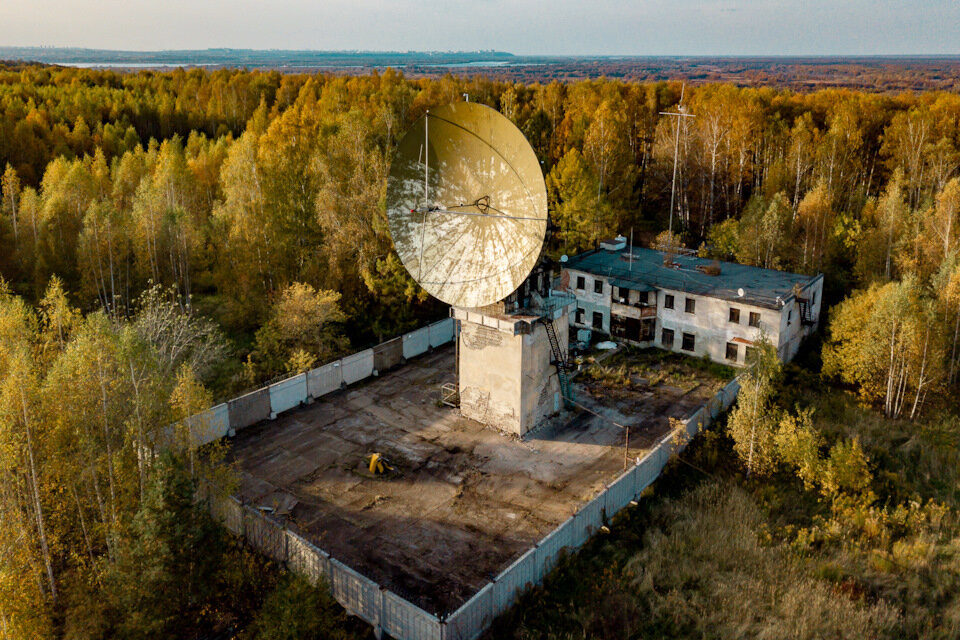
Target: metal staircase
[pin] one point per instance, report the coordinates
(560, 361)
(806, 312)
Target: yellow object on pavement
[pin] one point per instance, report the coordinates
(378, 464)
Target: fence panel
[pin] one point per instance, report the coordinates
(357, 594)
(388, 355)
(304, 558)
(288, 393)
(406, 621)
(730, 393)
(473, 617)
(588, 520)
(441, 332)
(267, 536)
(226, 509)
(648, 470)
(514, 580)
(249, 409)
(693, 422)
(621, 492)
(416, 342)
(324, 380)
(357, 366)
(209, 425)
(550, 548)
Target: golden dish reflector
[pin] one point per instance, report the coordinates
(466, 204)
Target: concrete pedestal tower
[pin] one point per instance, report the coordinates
(512, 366)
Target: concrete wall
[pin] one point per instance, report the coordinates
(792, 331)
(507, 380)
(590, 301)
(710, 324)
(490, 360)
(541, 391)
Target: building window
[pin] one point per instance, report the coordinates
(733, 351)
(598, 286)
(619, 293)
(597, 320)
(690, 305)
(813, 299)
(689, 342)
(754, 319)
(668, 301)
(581, 282)
(666, 338)
(789, 317)
(644, 297)
(734, 315)
(580, 313)
(749, 354)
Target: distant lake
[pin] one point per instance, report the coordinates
(130, 65)
(93, 64)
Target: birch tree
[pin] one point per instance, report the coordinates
(754, 421)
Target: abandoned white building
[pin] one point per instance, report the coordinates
(691, 305)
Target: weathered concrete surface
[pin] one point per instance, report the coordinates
(466, 500)
(507, 381)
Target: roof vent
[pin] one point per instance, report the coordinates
(615, 244)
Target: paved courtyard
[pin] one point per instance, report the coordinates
(464, 500)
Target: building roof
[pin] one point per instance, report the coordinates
(761, 287)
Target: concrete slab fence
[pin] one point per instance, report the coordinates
(388, 612)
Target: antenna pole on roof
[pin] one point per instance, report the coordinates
(426, 156)
(681, 112)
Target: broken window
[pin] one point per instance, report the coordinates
(580, 314)
(754, 319)
(668, 301)
(666, 338)
(735, 315)
(581, 282)
(733, 351)
(598, 286)
(789, 316)
(597, 320)
(689, 342)
(690, 305)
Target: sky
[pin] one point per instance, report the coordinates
(555, 27)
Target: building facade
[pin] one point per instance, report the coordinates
(689, 304)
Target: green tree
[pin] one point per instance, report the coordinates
(754, 420)
(582, 217)
(297, 610)
(162, 576)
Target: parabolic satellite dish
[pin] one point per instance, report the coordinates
(466, 204)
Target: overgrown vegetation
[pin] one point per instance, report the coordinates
(632, 367)
(850, 532)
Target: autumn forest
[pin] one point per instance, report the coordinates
(168, 239)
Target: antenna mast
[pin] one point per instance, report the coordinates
(681, 112)
(426, 156)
